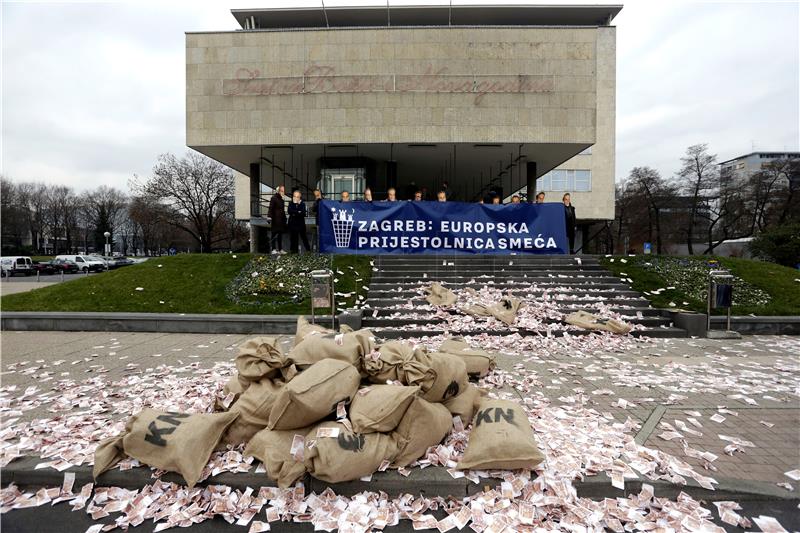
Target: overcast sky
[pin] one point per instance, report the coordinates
(94, 91)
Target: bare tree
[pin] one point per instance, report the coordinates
(13, 216)
(698, 179)
(197, 192)
(104, 209)
(656, 193)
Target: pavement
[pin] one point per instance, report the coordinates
(16, 284)
(751, 386)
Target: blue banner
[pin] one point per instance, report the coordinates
(441, 227)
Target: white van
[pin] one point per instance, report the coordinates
(16, 265)
(86, 263)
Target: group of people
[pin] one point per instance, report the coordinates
(297, 213)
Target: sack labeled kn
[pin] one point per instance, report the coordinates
(339, 454)
(175, 442)
(314, 394)
(501, 438)
(465, 404)
(450, 377)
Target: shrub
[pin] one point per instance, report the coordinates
(780, 245)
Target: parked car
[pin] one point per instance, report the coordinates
(62, 265)
(45, 268)
(117, 261)
(86, 263)
(16, 265)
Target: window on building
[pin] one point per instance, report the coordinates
(338, 180)
(588, 151)
(566, 180)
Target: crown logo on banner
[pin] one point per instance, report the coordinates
(342, 226)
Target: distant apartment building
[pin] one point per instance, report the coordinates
(734, 171)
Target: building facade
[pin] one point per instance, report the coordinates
(733, 171)
(501, 98)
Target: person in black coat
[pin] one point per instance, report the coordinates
(297, 223)
(569, 214)
(277, 215)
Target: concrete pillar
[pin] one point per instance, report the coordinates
(255, 191)
(254, 239)
(530, 174)
(391, 174)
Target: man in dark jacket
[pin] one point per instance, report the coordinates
(297, 223)
(569, 213)
(277, 214)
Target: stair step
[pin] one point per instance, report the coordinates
(376, 302)
(657, 332)
(401, 321)
(515, 291)
(389, 311)
(479, 284)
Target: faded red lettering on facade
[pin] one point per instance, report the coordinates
(321, 79)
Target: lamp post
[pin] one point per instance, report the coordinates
(108, 246)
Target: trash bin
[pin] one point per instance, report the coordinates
(720, 293)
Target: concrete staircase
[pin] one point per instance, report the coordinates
(396, 282)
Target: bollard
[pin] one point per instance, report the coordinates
(37, 276)
(62, 275)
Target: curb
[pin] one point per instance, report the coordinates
(150, 322)
(430, 482)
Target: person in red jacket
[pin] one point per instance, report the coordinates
(277, 214)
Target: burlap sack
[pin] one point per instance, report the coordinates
(170, 441)
(505, 310)
(274, 449)
(425, 424)
(592, 322)
(479, 362)
(304, 329)
(254, 407)
(313, 394)
(348, 347)
(398, 361)
(451, 377)
(438, 295)
(260, 358)
(379, 408)
(501, 438)
(465, 404)
(232, 386)
(349, 455)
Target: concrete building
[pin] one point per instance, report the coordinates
(480, 97)
(733, 171)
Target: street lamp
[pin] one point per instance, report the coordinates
(108, 246)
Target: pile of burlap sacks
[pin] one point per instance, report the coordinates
(339, 407)
(506, 309)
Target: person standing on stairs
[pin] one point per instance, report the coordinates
(297, 223)
(277, 215)
(569, 214)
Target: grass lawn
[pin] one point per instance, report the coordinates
(194, 283)
(761, 288)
